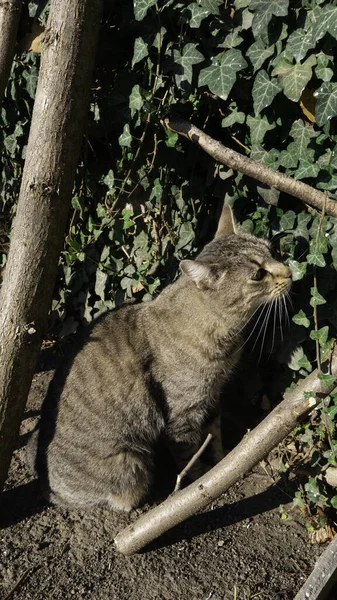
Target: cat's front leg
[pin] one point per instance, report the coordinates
(185, 446)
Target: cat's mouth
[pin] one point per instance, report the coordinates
(281, 288)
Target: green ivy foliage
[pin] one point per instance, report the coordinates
(258, 75)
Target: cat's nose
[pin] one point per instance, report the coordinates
(287, 272)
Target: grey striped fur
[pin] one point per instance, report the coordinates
(151, 371)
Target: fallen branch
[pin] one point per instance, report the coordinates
(253, 448)
(191, 462)
(323, 577)
(250, 167)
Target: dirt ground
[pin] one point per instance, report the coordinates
(237, 549)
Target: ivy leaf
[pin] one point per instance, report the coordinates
(125, 139)
(201, 10)
(302, 135)
(327, 379)
(264, 10)
(294, 77)
(306, 169)
(264, 91)
(184, 62)
(287, 220)
(135, 100)
(31, 76)
(305, 364)
(140, 51)
(298, 270)
(234, 117)
(313, 492)
(258, 53)
(109, 181)
(140, 8)
(258, 128)
(324, 19)
(299, 42)
(301, 319)
(316, 258)
(221, 75)
(317, 249)
(326, 105)
(316, 297)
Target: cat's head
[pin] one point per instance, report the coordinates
(238, 269)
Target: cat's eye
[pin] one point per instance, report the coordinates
(259, 275)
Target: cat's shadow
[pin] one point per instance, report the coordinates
(20, 503)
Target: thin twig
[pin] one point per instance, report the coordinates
(191, 462)
(252, 168)
(21, 580)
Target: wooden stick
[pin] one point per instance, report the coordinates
(191, 462)
(323, 577)
(253, 448)
(250, 167)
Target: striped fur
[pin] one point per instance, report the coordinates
(151, 371)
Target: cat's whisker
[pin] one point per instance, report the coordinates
(280, 316)
(250, 318)
(286, 311)
(265, 307)
(288, 297)
(274, 325)
(264, 328)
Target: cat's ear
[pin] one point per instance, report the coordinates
(199, 272)
(226, 225)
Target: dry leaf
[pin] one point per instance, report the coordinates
(31, 42)
(307, 104)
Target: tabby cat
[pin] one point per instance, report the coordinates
(151, 371)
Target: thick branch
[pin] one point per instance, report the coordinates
(250, 167)
(10, 11)
(60, 110)
(324, 576)
(253, 448)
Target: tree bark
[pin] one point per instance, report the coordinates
(253, 448)
(10, 11)
(59, 114)
(250, 167)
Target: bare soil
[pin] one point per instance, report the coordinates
(237, 549)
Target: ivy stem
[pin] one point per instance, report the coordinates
(318, 351)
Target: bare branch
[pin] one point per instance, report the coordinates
(191, 462)
(250, 167)
(253, 448)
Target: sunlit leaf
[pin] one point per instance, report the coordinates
(294, 77)
(140, 8)
(326, 106)
(301, 319)
(221, 75)
(299, 42)
(264, 91)
(140, 51)
(258, 128)
(264, 10)
(258, 53)
(183, 63)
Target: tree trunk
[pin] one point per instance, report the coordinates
(54, 144)
(253, 448)
(10, 11)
